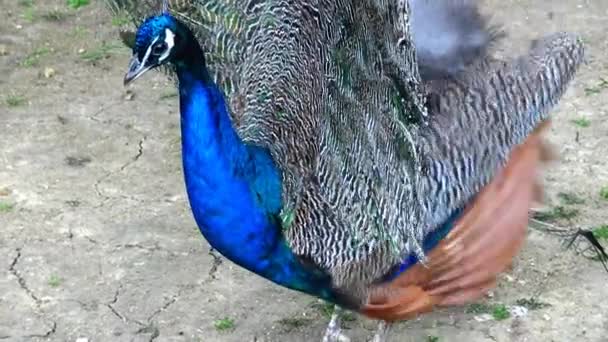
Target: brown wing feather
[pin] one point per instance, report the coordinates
(466, 263)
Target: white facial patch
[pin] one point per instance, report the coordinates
(170, 41)
(147, 55)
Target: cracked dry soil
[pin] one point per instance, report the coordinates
(98, 242)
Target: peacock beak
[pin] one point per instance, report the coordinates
(136, 69)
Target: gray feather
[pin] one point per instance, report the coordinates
(449, 35)
(480, 116)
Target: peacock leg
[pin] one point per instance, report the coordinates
(382, 332)
(333, 333)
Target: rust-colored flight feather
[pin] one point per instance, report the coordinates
(465, 265)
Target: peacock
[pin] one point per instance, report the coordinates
(371, 153)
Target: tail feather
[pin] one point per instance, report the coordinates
(449, 35)
(465, 265)
(498, 105)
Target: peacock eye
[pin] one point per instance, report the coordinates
(158, 49)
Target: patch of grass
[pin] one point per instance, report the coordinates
(54, 281)
(5, 207)
(326, 309)
(120, 20)
(348, 316)
(34, 57)
(26, 3)
(102, 52)
(557, 213)
(570, 198)
(582, 122)
(295, 322)
(478, 308)
(500, 312)
(76, 4)
(604, 193)
(55, 15)
(224, 324)
(596, 89)
(431, 338)
(531, 303)
(15, 100)
(168, 95)
(601, 232)
(29, 15)
(78, 32)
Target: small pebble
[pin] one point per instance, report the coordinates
(81, 51)
(49, 72)
(518, 311)
(174, 198)
(47, 299)
(82, 339)
(3, 50)
(483, 318)
(129, 95)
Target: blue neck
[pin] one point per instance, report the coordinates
(235, 188)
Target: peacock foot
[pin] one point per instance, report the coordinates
(333, 333)
(382, 332)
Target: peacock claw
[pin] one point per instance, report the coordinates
(381, 332)
(333, 333)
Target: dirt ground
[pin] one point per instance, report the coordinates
(97, 242)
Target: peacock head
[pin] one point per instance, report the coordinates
(159, 40)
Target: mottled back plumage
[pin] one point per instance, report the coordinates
(331, 88)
